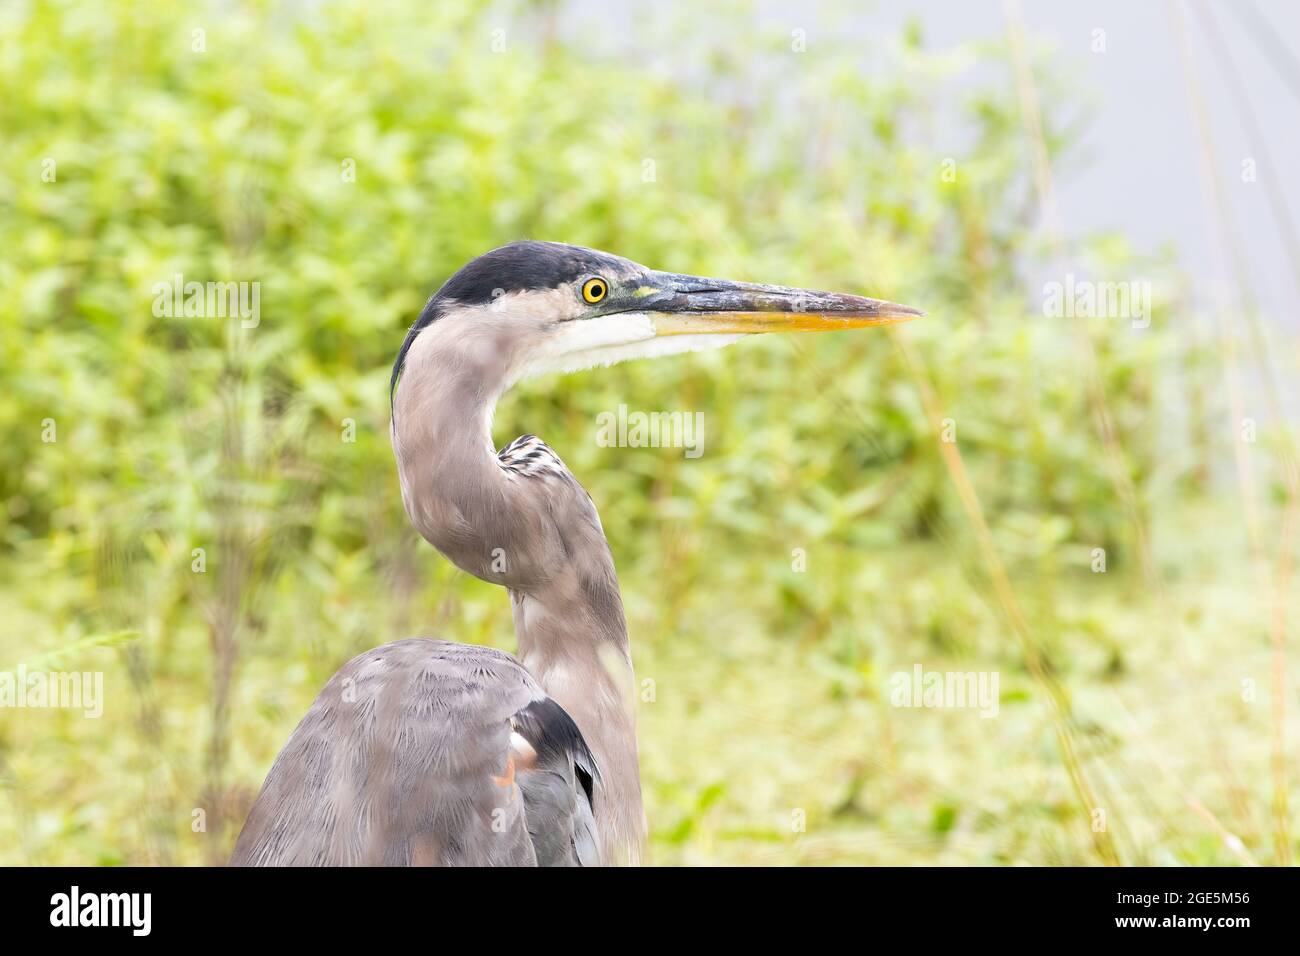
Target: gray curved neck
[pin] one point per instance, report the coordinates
(537, 535)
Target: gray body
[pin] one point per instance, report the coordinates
(399, 763)
(428, 752)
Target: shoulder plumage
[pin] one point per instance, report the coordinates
(530, 457)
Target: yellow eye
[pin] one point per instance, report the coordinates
(593, 290)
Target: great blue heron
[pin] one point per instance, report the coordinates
(430, 752)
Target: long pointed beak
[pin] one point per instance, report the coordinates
(692, 305)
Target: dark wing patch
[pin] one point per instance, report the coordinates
(553, 734)
(558, 786)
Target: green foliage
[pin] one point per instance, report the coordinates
(737, 158)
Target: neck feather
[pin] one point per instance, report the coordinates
(534, 530)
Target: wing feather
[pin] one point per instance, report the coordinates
(405, 759)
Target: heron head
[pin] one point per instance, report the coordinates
(536, 307)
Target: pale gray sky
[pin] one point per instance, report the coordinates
(1137, 170)
(1143, 177)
